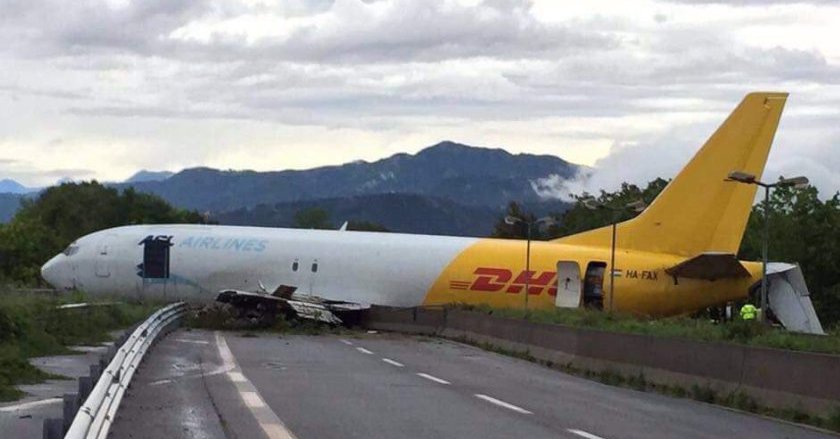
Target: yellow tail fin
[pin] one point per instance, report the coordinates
(699, 211)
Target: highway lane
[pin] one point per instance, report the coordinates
(196, 384)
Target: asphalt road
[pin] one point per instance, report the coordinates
(205, 385)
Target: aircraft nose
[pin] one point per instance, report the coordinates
(51, 272)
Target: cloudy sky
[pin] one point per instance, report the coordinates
(100, 89)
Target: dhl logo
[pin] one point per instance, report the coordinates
(502, 279)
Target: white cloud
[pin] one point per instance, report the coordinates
(631, 88)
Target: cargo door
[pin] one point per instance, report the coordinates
(568, 285)
(154, 270)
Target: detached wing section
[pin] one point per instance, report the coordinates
(709, 266)
(284, 297)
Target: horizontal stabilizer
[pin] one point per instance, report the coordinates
(709, 266)
(790, 300)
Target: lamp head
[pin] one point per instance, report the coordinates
(742, 177)
(800, 182)
(636, 206)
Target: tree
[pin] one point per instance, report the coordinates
(312, 218)
(518, 230)
(366, 226)
(46, 225)
(579, 218)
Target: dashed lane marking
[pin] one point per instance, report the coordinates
(582, 433)
(392, 362)
(347, 342)
(270, 424)
(433, 378)
(501, 403)
(364, 351)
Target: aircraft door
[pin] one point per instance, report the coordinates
(568, 285)
(154, 270)
(313, 276)
(102, 265)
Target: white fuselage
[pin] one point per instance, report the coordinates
(363, 267)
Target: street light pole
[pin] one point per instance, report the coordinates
(528, 265)
(612, 261)
(796, 183)
(764, 245)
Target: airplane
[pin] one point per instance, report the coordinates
(676, 257)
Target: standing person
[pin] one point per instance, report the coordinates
(749, 312)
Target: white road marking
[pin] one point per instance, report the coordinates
(432, 378)
(237, 377)
(501, 403)
(271, 425)
(582, 433)
(347, 342)
(392, 362)
(159, 382)
(224, 352)
(364, 351)
(29, 405)
(252, 399)
(186, 340)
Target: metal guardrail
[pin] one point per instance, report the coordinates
(95, 417)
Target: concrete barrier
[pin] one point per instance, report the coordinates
(774, 377)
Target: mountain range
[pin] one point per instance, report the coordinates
(9, 186)
(447, 188)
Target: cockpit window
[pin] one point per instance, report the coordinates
(71, 250)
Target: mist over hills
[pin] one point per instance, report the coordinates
(447, 188)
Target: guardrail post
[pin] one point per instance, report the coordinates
(95, 371)
(85, 384)
(53, 428)
(71, 406)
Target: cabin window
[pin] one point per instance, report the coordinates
(593, 285)
(314, 267)
(295, 266)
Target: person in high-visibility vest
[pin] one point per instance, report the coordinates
(749, 312)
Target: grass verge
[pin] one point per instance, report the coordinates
(32, 326)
